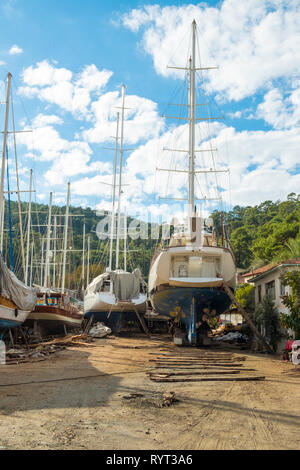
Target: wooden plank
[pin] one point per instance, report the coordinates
(208, 379)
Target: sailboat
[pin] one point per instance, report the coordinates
(16, 299)
(116, 296)
(187, 275)
(56, 310)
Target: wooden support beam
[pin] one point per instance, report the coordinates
(142, 322)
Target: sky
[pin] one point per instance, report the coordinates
(69, 60)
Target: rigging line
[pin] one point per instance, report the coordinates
(208, 122)
(199, 127)
(18, 184)
(29, 120)
(211, 141)
(174, 158)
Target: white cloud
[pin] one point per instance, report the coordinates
(42, 119)
(279, 111)
(252, 42)
(14, 50)
(67, 158)
(61, 87)
(142, 120)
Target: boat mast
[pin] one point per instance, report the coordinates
(42, 262)
(54, 251)
(125, 240)
(83, 257)
(88, 263)
(28, 229)
(65, 241)
(31, 265)
(192, 93)
(2, 201)
(113, 196)
(120, 179)
(47, 270)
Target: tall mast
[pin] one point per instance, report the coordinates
(28, 229)
(54, 251)
(31, 264)
(113, 196)
(2, 204)
(83, 257)
(65, 241)
(47, 260)
(120, 179)
(192, 93)
(88, 263)
(42, 262)
(125, 240)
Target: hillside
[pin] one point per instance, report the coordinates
(257, 235)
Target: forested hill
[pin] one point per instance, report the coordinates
(258, 234)
(139, 252)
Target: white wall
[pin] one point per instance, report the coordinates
(274, 276)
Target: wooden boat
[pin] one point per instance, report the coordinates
(55, 312)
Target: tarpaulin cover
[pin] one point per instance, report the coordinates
(126, 286)
(11, 288)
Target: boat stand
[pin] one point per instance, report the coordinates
(192, 334)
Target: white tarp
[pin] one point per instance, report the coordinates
(126, 286)
(99, 331)
(12, 289)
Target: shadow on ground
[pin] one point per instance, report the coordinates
(67, 380)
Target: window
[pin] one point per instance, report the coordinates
(182, 270)
(282, 289)
(270, 289)
(259, 294)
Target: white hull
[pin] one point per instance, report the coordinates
(52, 317)
(215, 266)
(106, 302)
(12, 317)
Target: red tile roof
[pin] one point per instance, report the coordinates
(267, 267)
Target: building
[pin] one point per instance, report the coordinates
(267, 282)
(245, 277)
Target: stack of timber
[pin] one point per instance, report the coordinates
(200, 366)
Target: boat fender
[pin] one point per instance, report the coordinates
(16, 312)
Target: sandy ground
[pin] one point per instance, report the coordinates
(74, 400)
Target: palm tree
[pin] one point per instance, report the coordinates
(290, 250)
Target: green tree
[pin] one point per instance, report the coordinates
(267, 316)
(241, 241)
(245, 296)
(290, 250)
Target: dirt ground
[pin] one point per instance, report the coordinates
(74, 400)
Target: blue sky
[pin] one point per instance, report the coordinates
(69, 59)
